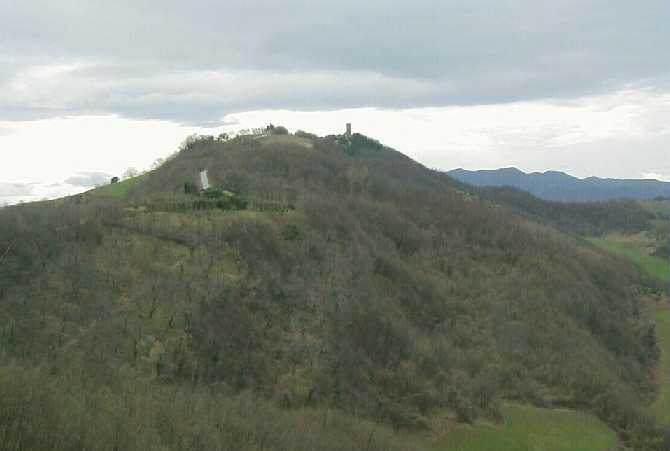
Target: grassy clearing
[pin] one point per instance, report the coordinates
(532, 429)
(119, 189)
(635, 249)
(287, 140)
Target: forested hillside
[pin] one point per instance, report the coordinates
(580, 218)
(324, 293)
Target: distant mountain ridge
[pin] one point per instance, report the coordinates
(559, 186)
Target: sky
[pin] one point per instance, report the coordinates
(89, 88)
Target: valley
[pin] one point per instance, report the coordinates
(638, 250)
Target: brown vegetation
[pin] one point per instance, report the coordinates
(386, 293)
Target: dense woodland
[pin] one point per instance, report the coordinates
(580, 218)
(382, 295)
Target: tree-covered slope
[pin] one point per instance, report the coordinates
(581, 218)
(354, 279)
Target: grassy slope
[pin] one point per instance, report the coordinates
(635, 250)
(119, 189)
(529, 428)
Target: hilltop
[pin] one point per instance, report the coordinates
(325, 284)
(559, 186)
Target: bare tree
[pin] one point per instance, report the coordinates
(130, 173)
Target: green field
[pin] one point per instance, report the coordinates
(635, 249)
(119, 189)
(532, 429)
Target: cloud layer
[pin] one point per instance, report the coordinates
(576, 85)
(14, 193)
(195, 62)
(621, 134)
(89, 179)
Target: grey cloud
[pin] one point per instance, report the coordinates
(88, 179)
(14, 193)
(16, 189)
(194, 62)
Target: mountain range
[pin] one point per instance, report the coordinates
(559, 186)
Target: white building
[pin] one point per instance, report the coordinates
(204, 180)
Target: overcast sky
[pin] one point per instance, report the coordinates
(89, 88)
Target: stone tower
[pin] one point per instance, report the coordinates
(348, 132)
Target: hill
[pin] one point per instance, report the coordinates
(324, 294)
(559, 186)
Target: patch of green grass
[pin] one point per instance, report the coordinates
(637, 251)
(660, 408)
(119, 189)
(532, 429)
